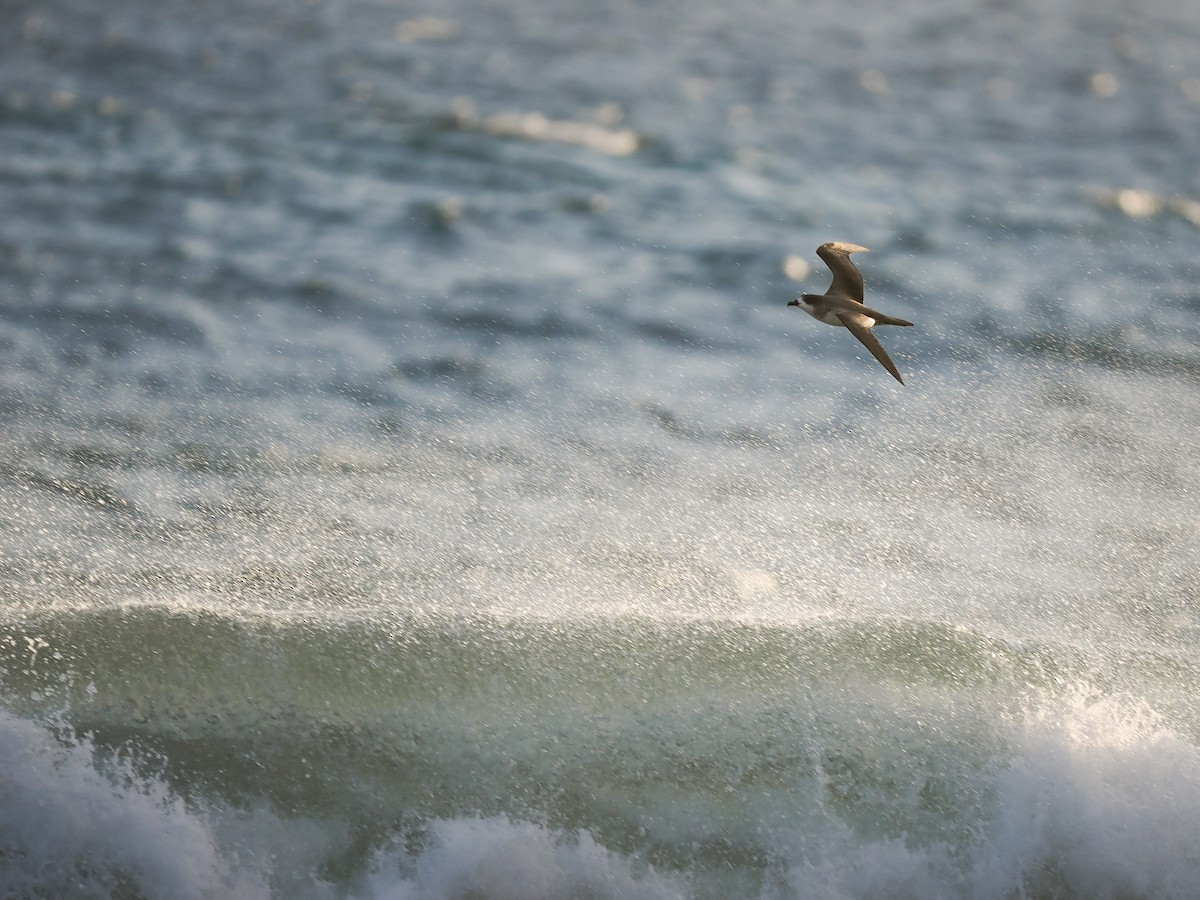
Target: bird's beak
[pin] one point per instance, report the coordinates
(795, 302)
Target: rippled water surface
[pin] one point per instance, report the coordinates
(413, 483)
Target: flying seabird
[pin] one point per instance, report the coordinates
(842, 304)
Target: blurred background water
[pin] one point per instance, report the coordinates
(414, 485)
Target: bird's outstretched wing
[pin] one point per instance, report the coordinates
(847, 282)
(871, 343)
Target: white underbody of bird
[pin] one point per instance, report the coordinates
(842, 305)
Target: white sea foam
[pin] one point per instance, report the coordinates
(505, 860)
(1100, 799)
(69, 830)
(72, 827)
(1103, 797)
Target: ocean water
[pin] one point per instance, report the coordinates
(413, 483)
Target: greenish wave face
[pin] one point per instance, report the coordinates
(724, 758)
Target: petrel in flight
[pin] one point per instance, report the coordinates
(842, 305)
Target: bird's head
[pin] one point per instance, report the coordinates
(803, 300)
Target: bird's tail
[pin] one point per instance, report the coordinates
(884, 318)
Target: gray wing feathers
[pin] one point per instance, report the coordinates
(847, 281)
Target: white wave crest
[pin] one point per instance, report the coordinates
(504, 860)
(67, 830)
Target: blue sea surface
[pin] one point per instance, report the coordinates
(415, 486)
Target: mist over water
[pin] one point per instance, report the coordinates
(413, 483)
